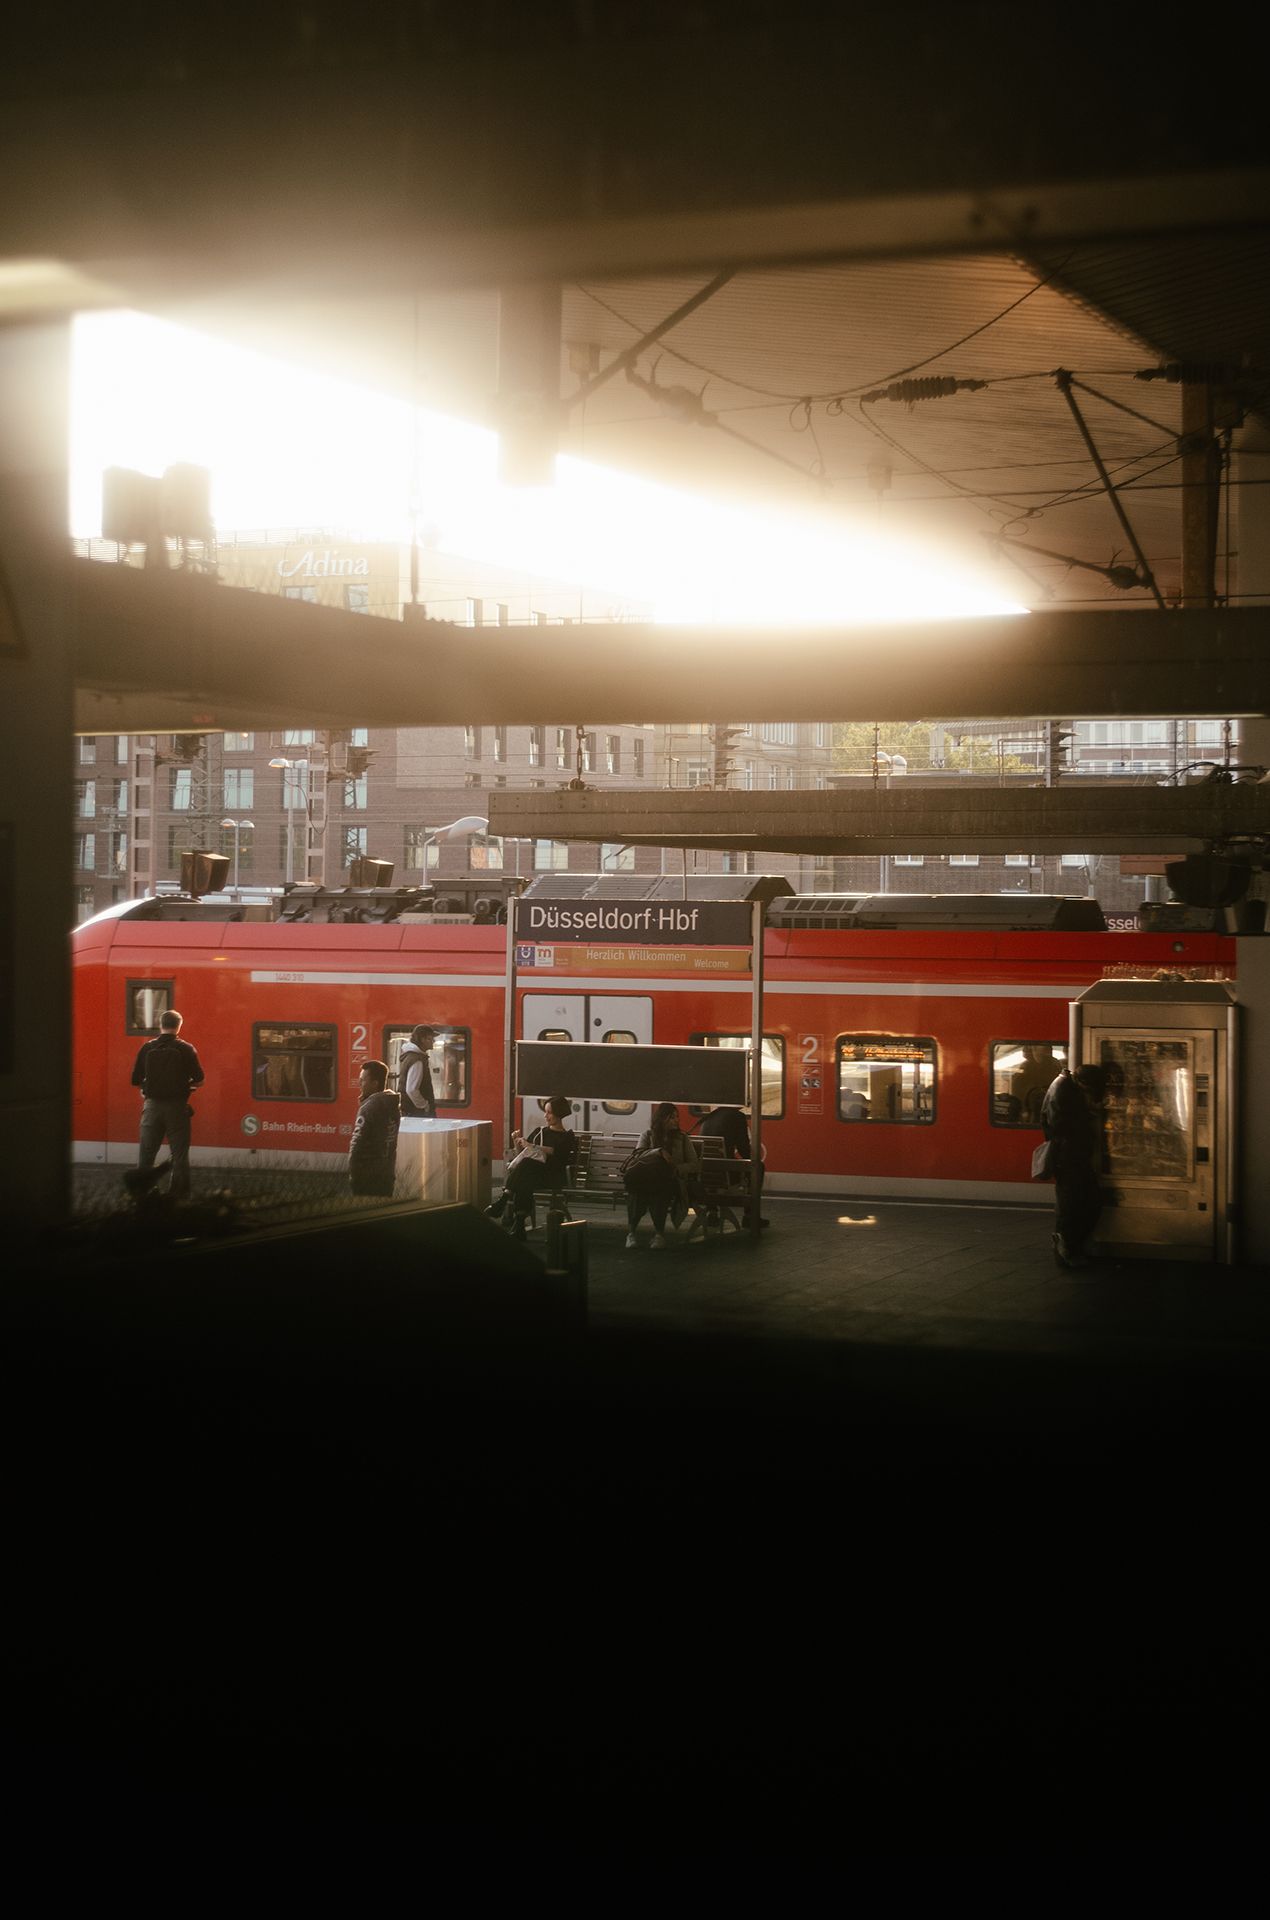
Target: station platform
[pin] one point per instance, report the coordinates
(878, 1533)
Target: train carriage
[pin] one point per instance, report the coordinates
(902, 1059)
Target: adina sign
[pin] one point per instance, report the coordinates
(316, 566)
(679, 923)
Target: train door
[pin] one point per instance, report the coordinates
(612, 1019)
(619, 1019)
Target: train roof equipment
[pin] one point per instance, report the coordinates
(888, 912)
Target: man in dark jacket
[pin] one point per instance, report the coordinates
(167, 1070)
(372, 1151)
(1071, 1116)
(729, 1123)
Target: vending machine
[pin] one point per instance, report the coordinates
(1169, 1049)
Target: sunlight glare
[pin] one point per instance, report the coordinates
(288, 448)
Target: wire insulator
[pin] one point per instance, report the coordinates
(932, 387)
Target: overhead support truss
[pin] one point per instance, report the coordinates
(1085, 817)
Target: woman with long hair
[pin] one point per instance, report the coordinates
(664, 1177)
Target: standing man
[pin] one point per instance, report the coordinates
(167, 1070)
(1071, 1116)
(414, 1077)
(372, 1151)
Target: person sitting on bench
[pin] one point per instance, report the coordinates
(664, 1177)
(730, 1125)
(528, 1175)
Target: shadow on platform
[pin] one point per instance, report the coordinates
(357, 1524)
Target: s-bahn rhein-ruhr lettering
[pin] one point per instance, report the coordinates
(710, 923)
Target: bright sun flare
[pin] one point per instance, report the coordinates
(288, 448)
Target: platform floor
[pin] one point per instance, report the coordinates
(857, 1546)
(964, 1277)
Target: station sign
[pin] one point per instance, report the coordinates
(630, 923)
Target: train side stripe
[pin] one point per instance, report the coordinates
(610, 983)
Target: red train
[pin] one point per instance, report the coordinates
(901, 1059)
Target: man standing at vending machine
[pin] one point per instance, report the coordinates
(1071, 1117)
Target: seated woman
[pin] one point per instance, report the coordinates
(665, 1177)
(560, 1147)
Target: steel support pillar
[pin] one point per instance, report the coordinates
(35, 778)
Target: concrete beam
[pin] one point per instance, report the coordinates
(159, 651)
(430, 147)
(1072, 817)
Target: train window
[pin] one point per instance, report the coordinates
(618, 1037)
(887, 1077)
(773, 1065)
(1021, 1071)
(448, 1061)
(147, 1001)
(292, 1061)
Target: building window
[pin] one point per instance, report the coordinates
(537, 745)
(616, 859)
(299, 737)
(886, 1077)
(421, 849)
(963, 859)
(485, 850)
(119, 796)
(240, 787)
(448, 1062)
(500, 743)
(748, 777)
(551, 856)
(86, 852)
(295, 785)
(1018, 859)
(612, 753)
(359, 736)
(773, 778)
(239, 742)
(300, 593)
(121, 749)
(588, 752)
(292, 1061)
(355, 800)
(86, 799)
(1074, 860)
(780, 733)
(356, 598)
(352, 845)
(908, 859)
(696, 773)
(145, 1002)
(1021, 1074)
(471, 743)
(116, 853)
(85, 904)
(87, 749)
(638, 751)
(179, 838)
(824, 733)
(562, 747)
(471, 779)
(773, 1064)
(1206, 733)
